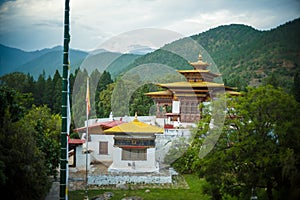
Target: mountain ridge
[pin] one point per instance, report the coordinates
(243, 54)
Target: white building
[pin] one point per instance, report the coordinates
(134, 147)
(129, 146)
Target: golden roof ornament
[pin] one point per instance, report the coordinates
(199, 64)
(200, 57)
(135, 117)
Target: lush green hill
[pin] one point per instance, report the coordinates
(121, 64)
(242, 54)
(246, 56)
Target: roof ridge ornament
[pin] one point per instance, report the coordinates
(135, 117)
(200, 56)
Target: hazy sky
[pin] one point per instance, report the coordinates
(37, 24)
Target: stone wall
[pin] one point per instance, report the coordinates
(122, 179)
(147, 178)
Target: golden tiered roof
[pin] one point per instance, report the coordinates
(134, 127)
(188, 71)
(199, 82)
(190, 84)
(163, 93)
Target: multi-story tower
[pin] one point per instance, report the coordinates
(183, 98)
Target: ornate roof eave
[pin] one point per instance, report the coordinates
(230, 88)
(166, 94)
(191, 85)
(199, 63)
(233, 93)
(198, 71)
(163, 93)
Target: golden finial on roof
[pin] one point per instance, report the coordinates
(199, 64)
(175, 98)
(200, 56)
(135, 117)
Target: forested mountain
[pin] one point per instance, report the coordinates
(244, 55)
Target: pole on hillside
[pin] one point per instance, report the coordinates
(88, 108)
(63, 137)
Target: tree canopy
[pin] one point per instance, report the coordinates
(258, 147)
(29, 147)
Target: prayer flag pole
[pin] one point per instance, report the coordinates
(63, 190)
(88, 108)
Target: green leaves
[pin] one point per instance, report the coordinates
(29, 149)
(258, 147)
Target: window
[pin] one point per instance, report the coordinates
(103, 148)
(134, 154)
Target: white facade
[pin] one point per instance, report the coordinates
(154, 156)
(134, 166)
(94, 145)
(81, 158)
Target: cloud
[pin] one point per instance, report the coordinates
(94, 21)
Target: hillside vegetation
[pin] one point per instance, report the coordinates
(242, 54)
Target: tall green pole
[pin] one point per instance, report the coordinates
(63, 137)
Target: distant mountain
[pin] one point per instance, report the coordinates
(50, 60)
(114, 63)
(140, 50)
(12, 58)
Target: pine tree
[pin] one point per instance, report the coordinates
(296, 88)
(56, 95)
(39, 93)
(103, 82)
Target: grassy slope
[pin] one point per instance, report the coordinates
(194, 192)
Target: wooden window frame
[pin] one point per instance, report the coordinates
(103, 151)
(134, 154)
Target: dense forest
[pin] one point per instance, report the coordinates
(47, 92)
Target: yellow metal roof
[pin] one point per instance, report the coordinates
(191, 84)
(198, 71)
(165, 92)
(194, 70)
(134, 127)
(192, 95)
(199, 63)
(233, 92)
